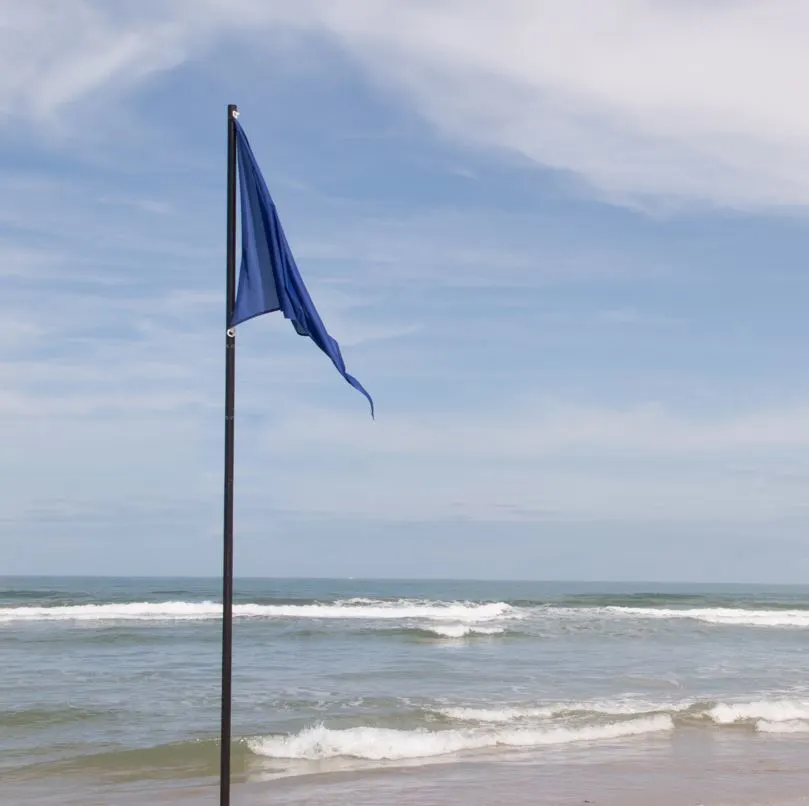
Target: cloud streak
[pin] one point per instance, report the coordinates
(643, 100)
(525, 431)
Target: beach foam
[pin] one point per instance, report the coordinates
(386, 744)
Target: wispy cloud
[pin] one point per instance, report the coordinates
(63, 54)
(641, 99)
(632, 316)
(537, 430)
(692, 101)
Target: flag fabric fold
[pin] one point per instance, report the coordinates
(269, 279)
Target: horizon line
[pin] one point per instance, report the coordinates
(492, 580)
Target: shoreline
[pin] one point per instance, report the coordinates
(685, 769)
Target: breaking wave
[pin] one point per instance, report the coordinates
(199, 611)
(388, 744)
(764, 716)
(628, 708)
(496, 714)
(725, 616)
(445, 619)
(767, 716)
(461, 630)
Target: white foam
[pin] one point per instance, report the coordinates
(768, 711)
(631, 707)
(602, 708)
(462, 630)
(190, 611)
(719, 615)
(496, 714)
(385, 744)
(794, 726)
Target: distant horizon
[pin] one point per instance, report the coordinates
(438, 580)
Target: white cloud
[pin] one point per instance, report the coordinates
(57, 53)
(503, 493)
(536, 464)
(539, 430)
(689, 100)
(642, 99)
(632, 316)
(16, 332)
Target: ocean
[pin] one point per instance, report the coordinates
(397, 692)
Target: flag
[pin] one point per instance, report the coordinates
(269, 279)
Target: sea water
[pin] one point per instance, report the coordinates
(109, 688)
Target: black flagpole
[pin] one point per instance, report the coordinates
(230, 399)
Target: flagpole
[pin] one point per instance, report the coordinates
(230, 399)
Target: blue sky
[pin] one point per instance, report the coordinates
(563, 247)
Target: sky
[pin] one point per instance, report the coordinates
(563, 245)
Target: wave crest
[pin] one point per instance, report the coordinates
(516, 713)
(768, 711)
(724, 616)
(464, 612)
(388, 744)
(506, 714)
(462, 630)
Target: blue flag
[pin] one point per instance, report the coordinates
(269, 279)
